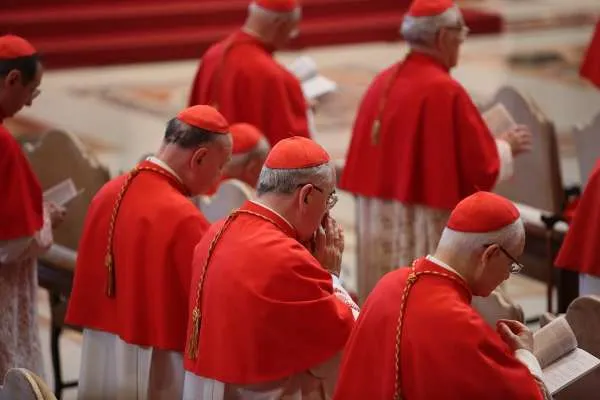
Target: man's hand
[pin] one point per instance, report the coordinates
(515, 334)
(329, 245)
(518, 138)
(57, 213)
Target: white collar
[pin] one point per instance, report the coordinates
(164, 166)
(442, 264)
(274, 212)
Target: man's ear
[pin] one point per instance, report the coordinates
(488, 253)
(13, 77)
(198, 156)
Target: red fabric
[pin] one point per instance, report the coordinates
(251, 87)
(12, 46)
(281, 317)
(434, 147)
(590, 68)
(447, 350)
(204, 117)
(278, 5)
(296, 152)
(579, 251)
(429, 8)
(156, 231)
(21, 203)
(245, 137)
(482, 212)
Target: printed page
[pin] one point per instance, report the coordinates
(553, 341)
(62, 193)
(304, 68)
(498, 119)
(568, 369)
(317, 87)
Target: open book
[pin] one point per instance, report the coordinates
(562, 362)
(314, 85)
(498, 119)
(62, 193)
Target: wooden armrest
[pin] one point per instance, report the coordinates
(60, 257)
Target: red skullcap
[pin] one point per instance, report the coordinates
(296, 152)
(12, 47)
(281, 6)
(204, 117)
(482, 212)
(245, 137)
(429, 8)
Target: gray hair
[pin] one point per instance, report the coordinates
(273, 16)
(285, 181)
(260, 150)
(421, 31)
(469, 243)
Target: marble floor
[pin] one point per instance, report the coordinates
(120, 112)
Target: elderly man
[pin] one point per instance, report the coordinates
(133, 272)
(419, 338)
(250, 149)
(590, 67)
(242, 80)
(270, 319)
(419, 146)
(579, 251)
(25, 219)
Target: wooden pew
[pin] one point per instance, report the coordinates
(55, 157)
(537, 185)
(587, 145)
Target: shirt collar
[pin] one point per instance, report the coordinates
(164, 166)
(442, 264)
(274, 212)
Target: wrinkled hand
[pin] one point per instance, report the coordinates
(329, 245)
(519, 139)
(57, 213)
(515, 334)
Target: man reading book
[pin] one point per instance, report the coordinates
(419, 338)
(240, 77)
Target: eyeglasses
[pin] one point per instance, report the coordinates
(332, 199)
(463, 31)
(515, 266)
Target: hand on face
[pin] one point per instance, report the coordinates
(515, 335)
(329, 245)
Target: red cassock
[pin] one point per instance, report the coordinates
(590, 68)
(447, 351)
(579, 251)
(156, 231)
(21, 203)
(268, 307)
(432, 148)
(241, 79)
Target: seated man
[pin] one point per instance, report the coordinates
(270, 319)
(418, 336)
(240, 175)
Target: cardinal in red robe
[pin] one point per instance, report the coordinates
(240, 175)
(268, 317)
(26, 221)
(131, 284)
(240, 77)
(579, 251)
(590, 67)
(418, 337)
(419, 145)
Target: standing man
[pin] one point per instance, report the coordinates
(25, 220)
(419, 146)
(268, 317)
(418, 337)
(133, 272)
(240, 175)
(240, 77)
(590, 67)
(579, 251)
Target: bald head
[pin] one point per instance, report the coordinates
(273, 25)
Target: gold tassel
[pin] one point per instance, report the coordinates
(110, 282)
(194, 339)
(375, 132)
